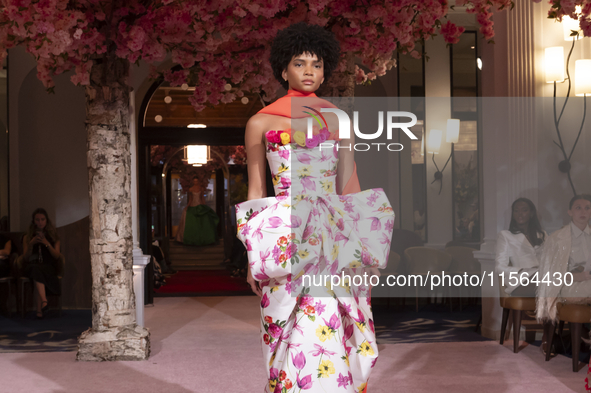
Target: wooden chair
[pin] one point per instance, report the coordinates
(517, 305)
(576, 315)
(24, 281)
(425, 261)
(463, 261)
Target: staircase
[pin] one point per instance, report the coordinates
(184, 257)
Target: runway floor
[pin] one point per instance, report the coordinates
(211, 344)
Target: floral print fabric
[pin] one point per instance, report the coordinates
(315, 339)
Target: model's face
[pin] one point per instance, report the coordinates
(40, 221)
(304, 73)
(522, 213)
(580, 212)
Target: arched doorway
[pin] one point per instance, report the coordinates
(164, 119)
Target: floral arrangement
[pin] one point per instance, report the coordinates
(221, 43)
(276, 139)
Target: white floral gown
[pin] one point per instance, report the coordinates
(324, 340)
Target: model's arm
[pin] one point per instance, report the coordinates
(189, 197)
(346, 162)
(255, 153)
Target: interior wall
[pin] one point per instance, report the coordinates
(52, 152)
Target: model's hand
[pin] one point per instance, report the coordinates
(35, 240)
(254, 285)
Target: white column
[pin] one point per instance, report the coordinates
(139, 259)
(509, 141)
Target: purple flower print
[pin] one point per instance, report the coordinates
(275, 330)
(273, 373)
(246, 230)
(296, 221)
(288, 288)
(319, 308)
(248, 245)
(285, 183)
(339, 236)
(265, 301)
(348, 332)
(306, 301)
(344, 308)
(389, 226)
(264, 255)
(284, 154)
(360, 318)
(275, 222)
(258, 233)
(345, 380)
(366, 257)
(304, 158)
(385, 240)
(276, 254)
(308, 232)
(321, 351)
(372, 199)
(355, 218)
(299, 361)
(348, 207)
(333, 323)
(371, 326)
(376, 225)
(308, 184)
(304, 383)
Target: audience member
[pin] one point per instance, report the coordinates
(5, 249)
(41, 252)
(519, 249)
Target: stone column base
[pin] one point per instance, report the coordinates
(130, 342)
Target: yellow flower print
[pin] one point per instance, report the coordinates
(324, 333)
(299, 197)
(365, 349)
(325, 369)
(362, 388)
(327, 186)
(346, 359)
(361, 327)
(282, 168)
(331, 221)
(300, 138)
(272, 384)
(285, 138)
(335, 252)
(355, 264)
(303, 254)
(305, 171)
(276, 180)
(272, 360)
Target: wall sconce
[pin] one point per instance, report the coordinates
(555, 73)
(452, 135)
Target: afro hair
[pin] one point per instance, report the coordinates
(302, 38)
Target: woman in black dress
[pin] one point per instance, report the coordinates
(41, 247)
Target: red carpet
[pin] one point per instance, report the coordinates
(204, 283)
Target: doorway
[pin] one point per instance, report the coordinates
(167, 125)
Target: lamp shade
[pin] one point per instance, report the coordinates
(583, 77)
(452, 135)
(197, 154)
(434, 141)
(554, 64)
(568, 25)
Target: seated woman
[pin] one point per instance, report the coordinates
(41, 252)
(519, 248)
(5, 249)
(568, 250)
(198, 225)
